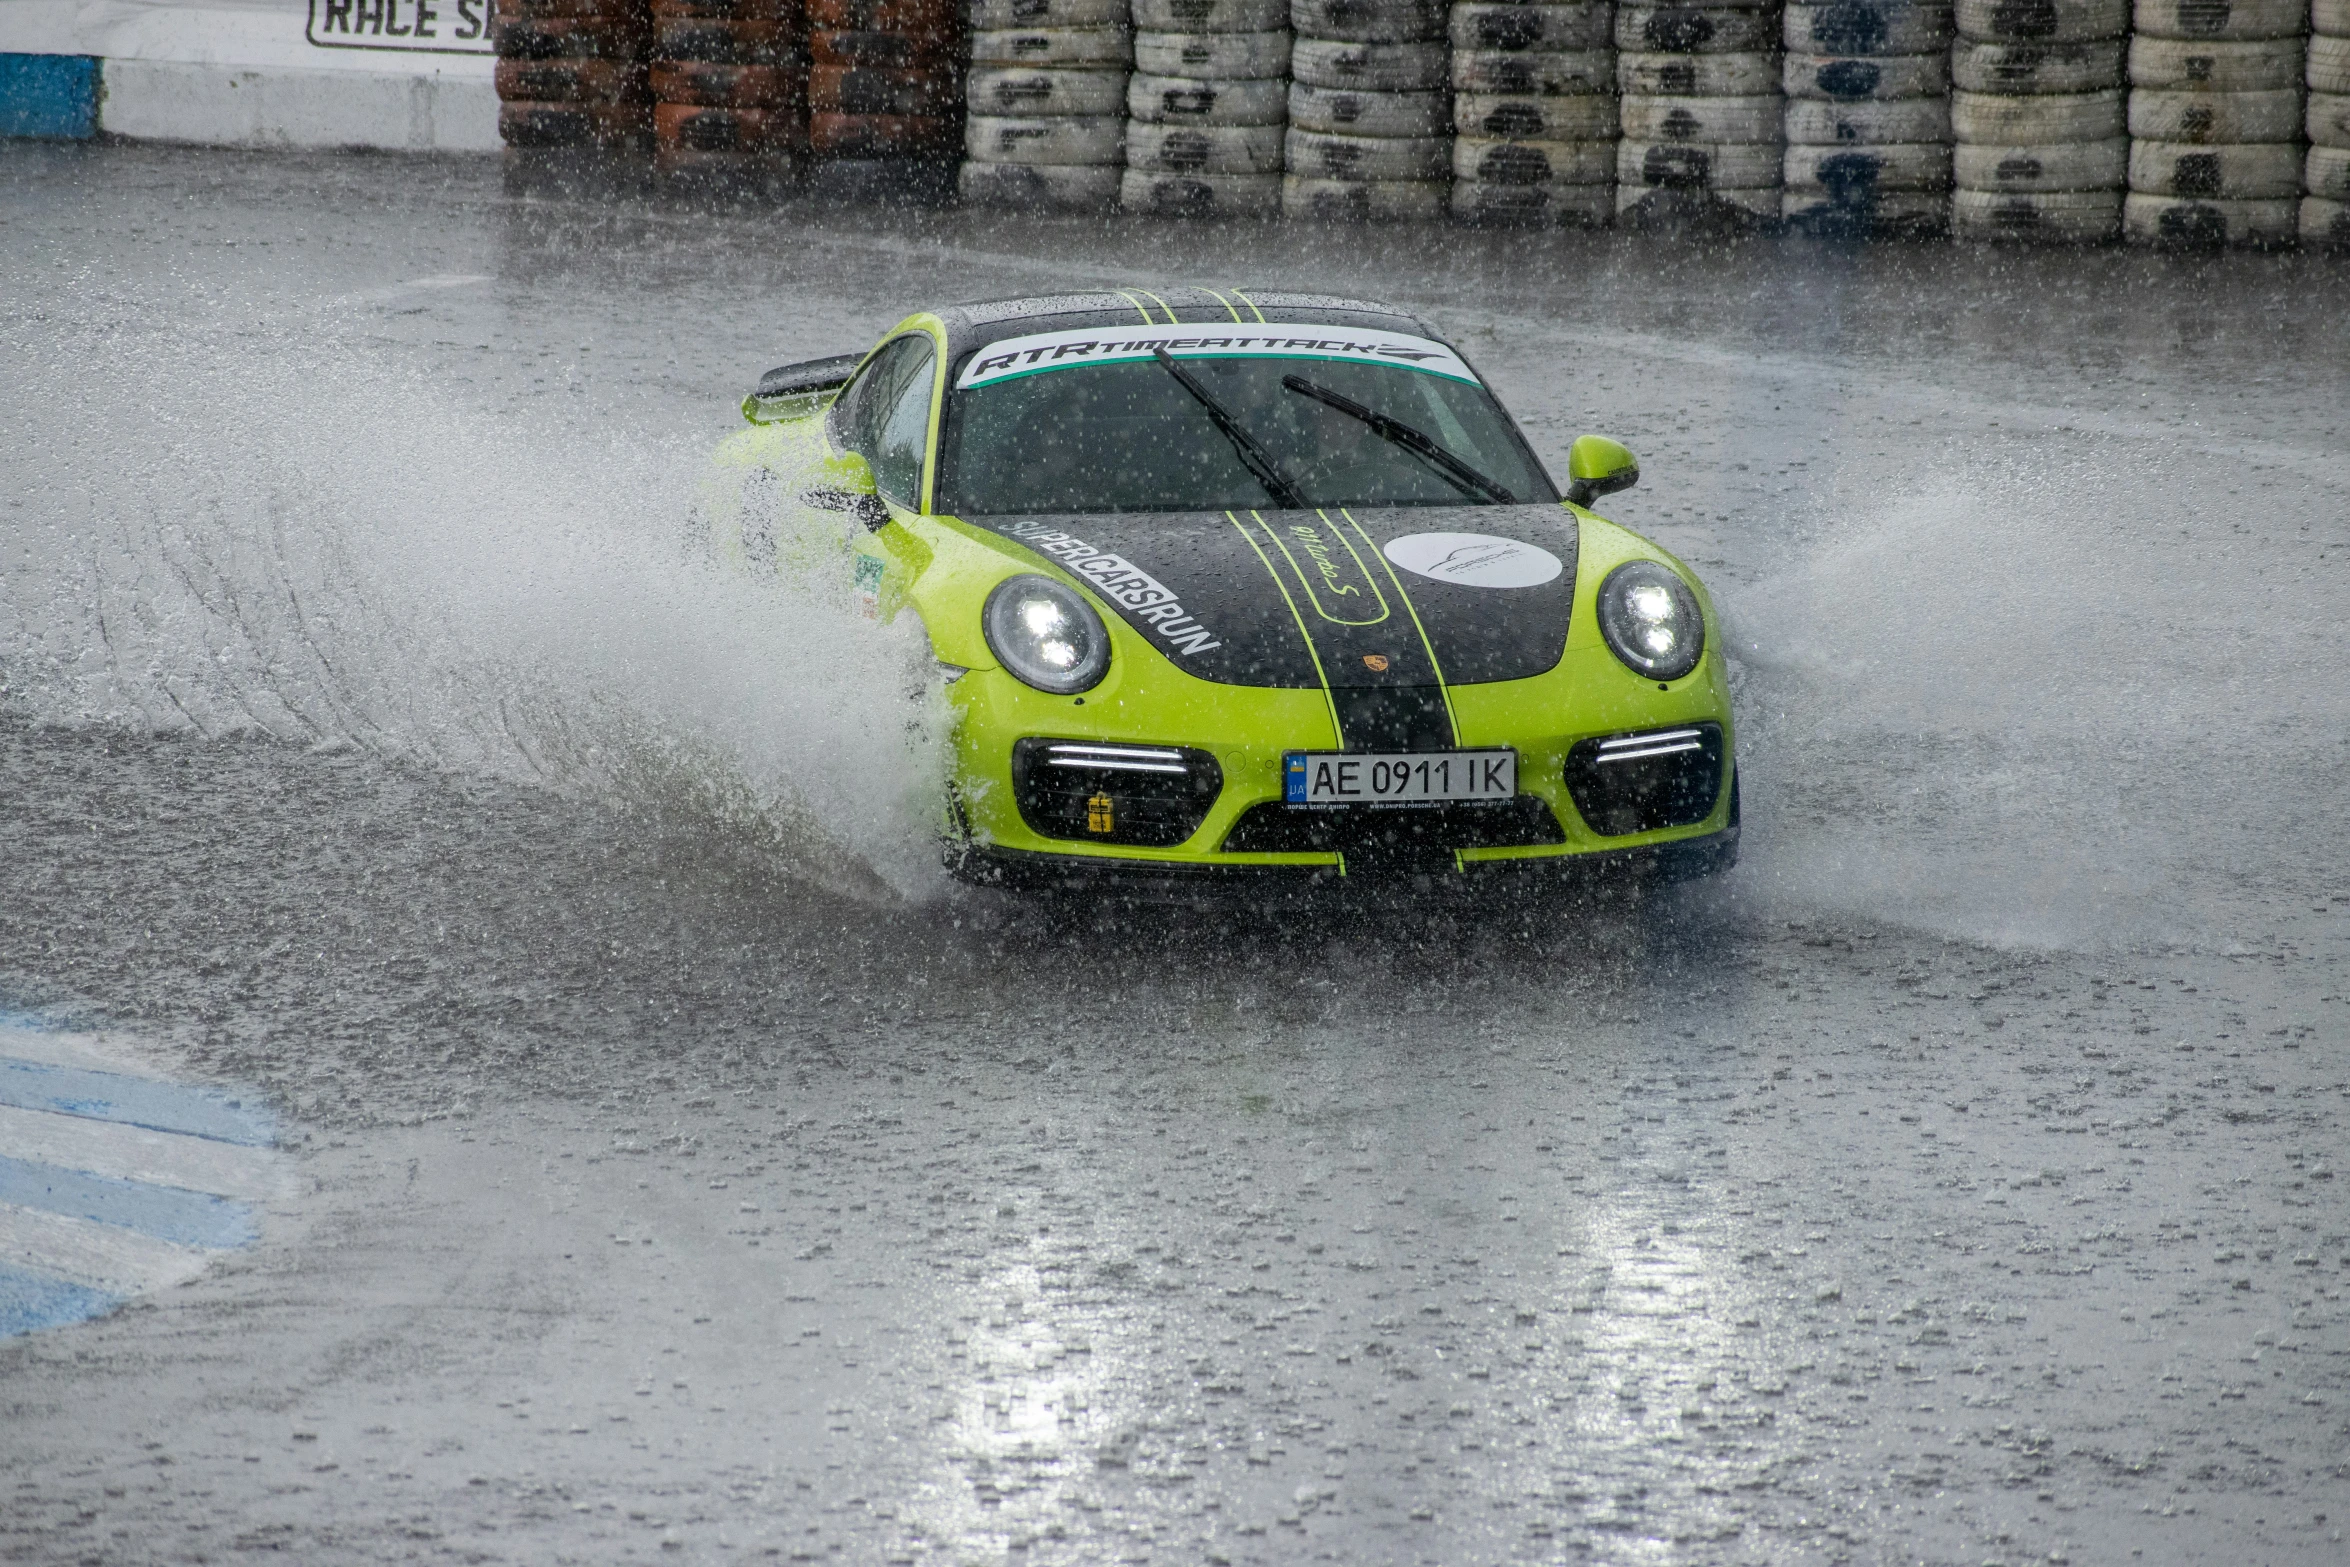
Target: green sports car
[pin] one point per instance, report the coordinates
(1253, 587)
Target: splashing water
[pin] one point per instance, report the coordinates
(293, 534)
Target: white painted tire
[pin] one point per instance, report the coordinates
(1365, 201)
(1684, 165)
(2325, 223)
(2266, 65)
(1505, 117)
(1751, 120)
(1084, 47)
(2066, 217)
(1205, 149)
(2041, 21)
(1369, 21)
(1532, 29)
(1033, 186)
(2205, 20)
(1029, 138)
(1889, 27)
(1200, 195)
(2326, 172)
(2171, 220)
(1533, 206)
(2070, 166)
(2038, 120)
(1865, 209)
(2013, 70)
(1211, 16)
(1018, 90)
(1697, 75)
(2329, 65)
(996, 16)
(2214, 118)
(1349, 113)
(1412, 67)
(2330, 18)
(1186, 100)
(1492, 161)
(1574, 72)
(1636, 204)
(1844, 79)
(2267, 172)
(2328, 121)
(1912, 166)
(1817, 124)
(1221, 57)
(1673, 29)
(1321, 155)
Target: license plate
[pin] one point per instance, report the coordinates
(1402, 778)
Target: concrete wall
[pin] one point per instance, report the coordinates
(402, 74)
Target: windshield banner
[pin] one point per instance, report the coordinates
(1018, 356)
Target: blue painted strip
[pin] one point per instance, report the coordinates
(32, 1301)
(54, 96)
(134, 1101)
(165, 1212)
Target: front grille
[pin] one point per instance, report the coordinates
(1150, 796)
(1640, 782)
(1393, 831)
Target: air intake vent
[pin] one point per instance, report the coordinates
(1396, 832)
(1641, 782)
(1149, 796)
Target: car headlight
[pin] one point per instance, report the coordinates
(1047, 635)
(1651, 620)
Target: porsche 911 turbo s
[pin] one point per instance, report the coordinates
(1253, 587)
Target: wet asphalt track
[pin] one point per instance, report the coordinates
(1960, 1181)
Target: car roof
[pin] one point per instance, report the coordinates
(975, 326)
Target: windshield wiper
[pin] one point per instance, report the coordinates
(1253, 455)
(1459, 474)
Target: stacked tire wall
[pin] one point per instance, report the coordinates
(1868, 116)
(2215, 121)
(885, 81)
(1370, 110)
(572, 74)
(1209, 107)
(2037, 119)
(1534, 113)
(730, 85)
(2325, 206)
(1047, 125)
(1703, 115)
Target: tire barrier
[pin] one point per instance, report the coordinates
(1209, 104)
(1047, 104)
(1868, 116)
(571, 74)
(2215, 121)
(886, 88)
(2324, 216)
(1533, 114)
(730, 84)
(1368, 138)
(2037, 119)
(1704, 119)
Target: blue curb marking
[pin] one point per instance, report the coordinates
(165, 1212)
(52, 96)
(133, 1101)
(32, 1301)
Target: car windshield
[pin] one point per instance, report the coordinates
(1132, 435)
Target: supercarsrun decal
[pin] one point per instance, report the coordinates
(1119, 580)
(1019, 356)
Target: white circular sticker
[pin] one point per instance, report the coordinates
(1476, 560)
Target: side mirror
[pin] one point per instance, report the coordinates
(794, 391)
(1597, 466)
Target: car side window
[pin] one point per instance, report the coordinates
(888, 417)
